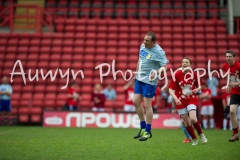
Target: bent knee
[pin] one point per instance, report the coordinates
(187, 124)
(232, 111)
(193, 120)
(136, 102)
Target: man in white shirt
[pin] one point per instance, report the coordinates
(5, 101)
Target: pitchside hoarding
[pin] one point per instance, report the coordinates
(105, 120)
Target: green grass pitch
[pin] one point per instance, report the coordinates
(37, 143)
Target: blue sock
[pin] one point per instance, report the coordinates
(186, 132)
(143, 124)
(148, 128)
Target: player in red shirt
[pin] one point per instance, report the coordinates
(207, 109)
(98, 99)
(226, 107)
(233, 88)
(73, 97)
(156, 99)
(186, 99)
(129, 92)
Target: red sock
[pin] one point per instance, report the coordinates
(235, 131)
(197, 126)
(191, 132)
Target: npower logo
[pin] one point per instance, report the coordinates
(104, 120)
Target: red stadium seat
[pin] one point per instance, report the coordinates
(22, 49)
(34, 49)
(39, 88)
(46, 42)
(189, 50)
(200, 51)
(10, 56)
(24, 42)
(70, 28)
(3, 41)
(36, 118)
(76, 65)
(212, 51)
(16, 96)
(14, 110)
(57, 42)
(199, 44)
(35, 42)
(65, 64)
(11, 49)
(178, 51)
(188, 36)
(233, 44)
(23, 118)
(221, 29)
(54, 64)
(209, 29)
(210, 43)
(88, 72)
(231, 36)
(24, 110)
(13, 42)
(56, 50)
(67, 50)
(199, 36)
(177, 43)
(88, 65)
(100, 57)
(33, 56)
(222, 43)
(32, 64)
(210, 36)
(87, 89)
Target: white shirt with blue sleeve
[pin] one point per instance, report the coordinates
(150, 59)
(5, 88)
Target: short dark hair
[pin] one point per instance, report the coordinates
(187, 59)
(152, 35)
(231, 52)
(73, 83)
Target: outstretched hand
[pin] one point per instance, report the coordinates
(178, 102)
(174, 111)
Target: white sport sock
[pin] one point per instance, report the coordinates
(224, 124)
(212, 123)
(230, 125)
(205, 126)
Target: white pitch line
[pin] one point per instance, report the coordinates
(6, 132)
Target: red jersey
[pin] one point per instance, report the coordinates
(234, 75)
(154, 98)
(226, 97)
(206, 101)
(183, 89)
(72, 101)
(129, 96)
(102, 99)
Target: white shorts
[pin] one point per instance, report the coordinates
(186, 110)
(95, 109)
(129, 108)
(207, 110)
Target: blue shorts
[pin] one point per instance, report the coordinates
(72, 108)
(5, 105)
(147, 90)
